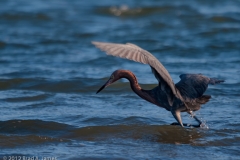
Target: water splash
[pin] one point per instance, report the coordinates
(203, 124)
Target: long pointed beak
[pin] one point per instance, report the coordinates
(104, 86)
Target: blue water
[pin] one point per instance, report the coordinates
(50, 73)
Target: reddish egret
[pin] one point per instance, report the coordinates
(184, 96)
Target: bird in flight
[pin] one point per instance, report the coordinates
(185, 96)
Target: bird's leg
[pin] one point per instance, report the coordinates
(177, 115)
(194, 116)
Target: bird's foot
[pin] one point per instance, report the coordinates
(175, 124)
(203, 125)
(190, 125)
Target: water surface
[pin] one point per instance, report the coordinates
(50, 72)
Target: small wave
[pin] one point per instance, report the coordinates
(33, 127)
(12, 83)
(115, 120)
(100, 120)
(221, 137)
(164, 134)
(20, 132)
(2, 44)
(9, 141)
(73, 85)
(105, 61)
(234, 141)
(36, 105)
(125, 10)
(14, 16)
(15, 133)
(83, 85)
(20, 45)
(122, 10)
(223, 19)
(54, 41)
(28, 98)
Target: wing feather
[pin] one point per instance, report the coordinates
(194, 85)
(135, 53)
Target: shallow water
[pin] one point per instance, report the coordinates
(50, 73)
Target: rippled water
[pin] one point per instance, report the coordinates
(50, 72)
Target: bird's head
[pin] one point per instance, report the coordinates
(113, 78)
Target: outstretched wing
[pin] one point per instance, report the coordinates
(135, 53)
(194, 85)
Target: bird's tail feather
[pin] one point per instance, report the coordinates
(215, 81)
(203, 99)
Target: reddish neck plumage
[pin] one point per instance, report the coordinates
(135, 86)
